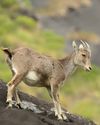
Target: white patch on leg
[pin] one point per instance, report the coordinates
(14, 69)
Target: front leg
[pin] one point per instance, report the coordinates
(55, 97)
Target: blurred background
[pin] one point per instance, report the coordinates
(50, 26)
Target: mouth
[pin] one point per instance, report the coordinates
(88, 69)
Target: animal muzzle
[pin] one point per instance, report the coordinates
(88, 68)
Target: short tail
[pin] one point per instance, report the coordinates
(8, 52)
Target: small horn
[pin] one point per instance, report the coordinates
(87, 45)
(83, 43)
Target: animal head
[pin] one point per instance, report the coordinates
(82, 55)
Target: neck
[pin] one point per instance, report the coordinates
(68, 64)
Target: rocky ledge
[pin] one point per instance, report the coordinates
(33, 111)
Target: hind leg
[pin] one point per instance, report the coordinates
(18, 101)
(17, 78)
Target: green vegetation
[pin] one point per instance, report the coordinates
(80, 94)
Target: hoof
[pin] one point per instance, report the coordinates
(10, 104)
(18, 105)
(62, 117)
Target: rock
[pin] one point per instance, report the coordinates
(33, 112)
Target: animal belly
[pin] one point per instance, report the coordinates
(32, 79)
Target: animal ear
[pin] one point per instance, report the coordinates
(74, 45)
(81, 47)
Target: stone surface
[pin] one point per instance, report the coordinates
(33, 112)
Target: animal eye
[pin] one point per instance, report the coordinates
(83, 55)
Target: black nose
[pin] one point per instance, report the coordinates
(90, 68)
